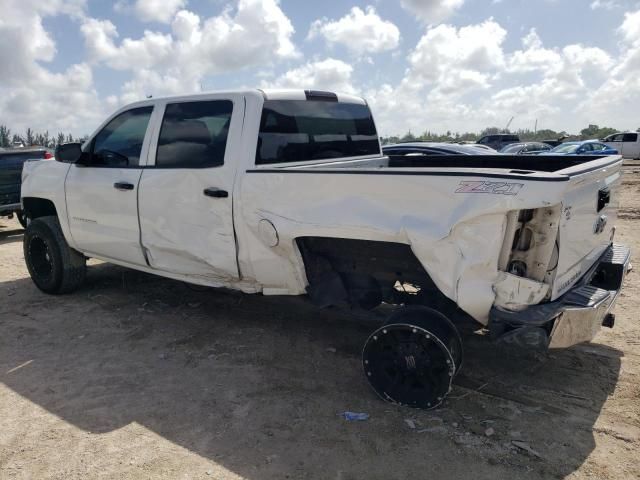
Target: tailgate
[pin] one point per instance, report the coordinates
(587, 223)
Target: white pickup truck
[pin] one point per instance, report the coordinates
(287, 193)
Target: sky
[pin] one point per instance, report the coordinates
(437, 65)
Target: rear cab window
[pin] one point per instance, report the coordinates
(305, 130)
(630, 137)
(194, 134)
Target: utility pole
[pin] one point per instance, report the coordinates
(508, 123)
(535, 129)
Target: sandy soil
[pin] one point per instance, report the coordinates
(136, 376)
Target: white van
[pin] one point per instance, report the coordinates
(627, 144)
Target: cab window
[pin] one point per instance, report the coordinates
(301, 130)
(119, 143)
(630, 137)
(194, 134)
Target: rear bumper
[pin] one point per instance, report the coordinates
(575, 317)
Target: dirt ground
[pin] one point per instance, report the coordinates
(136, 376)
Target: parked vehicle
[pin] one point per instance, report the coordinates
(484, 147)
(628, 144)
(288, 193)
(11, 161)
(434, 148)
(526, 148)
(498, 141)
(588, 147)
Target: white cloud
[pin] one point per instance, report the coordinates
(457, 60)
(30, 94)
(158, 10)
(462, 79)
(614, 101)
(432, 11)
(603, 4)
(329, 74)
(630, 28)
(257, 32)
(359, 31)
(455, 78)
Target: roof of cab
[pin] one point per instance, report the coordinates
(267, 94)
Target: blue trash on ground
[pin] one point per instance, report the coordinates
(354, 416)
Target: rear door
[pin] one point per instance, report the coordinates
(630, 146)
(102, 195)
(186, 193)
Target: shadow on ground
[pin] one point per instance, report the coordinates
(254, 384)
(10, 234)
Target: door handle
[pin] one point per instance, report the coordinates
(215, 192)
(123, 186)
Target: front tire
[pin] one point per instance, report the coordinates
(22, 218)
(54, 267)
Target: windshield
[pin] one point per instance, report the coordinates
(511, 149)
(566, 148)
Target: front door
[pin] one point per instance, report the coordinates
(102, 193)
(186, 192)
(615, 141)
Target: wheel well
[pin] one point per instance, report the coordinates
(365, 273)
(38, 207)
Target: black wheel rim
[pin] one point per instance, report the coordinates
(408, 365)
(40, 257)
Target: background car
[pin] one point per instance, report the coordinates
(433, 148)
(484, 147)
(588, 147)
(498, 141)
(11, 161)
(526, 148)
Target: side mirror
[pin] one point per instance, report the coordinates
(68, 152)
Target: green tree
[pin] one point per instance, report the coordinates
(29, 138)
(5, 136)
(595, 131)
(408, 137)
(491, 131)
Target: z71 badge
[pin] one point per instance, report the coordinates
(497, 188)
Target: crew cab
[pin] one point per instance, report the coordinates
(288, 193)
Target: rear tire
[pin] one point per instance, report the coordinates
(54, 267)
(412, 359)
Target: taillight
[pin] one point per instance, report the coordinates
(530, 248)
(47, 156)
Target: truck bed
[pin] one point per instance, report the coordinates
(455, 212)
(513, 164)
